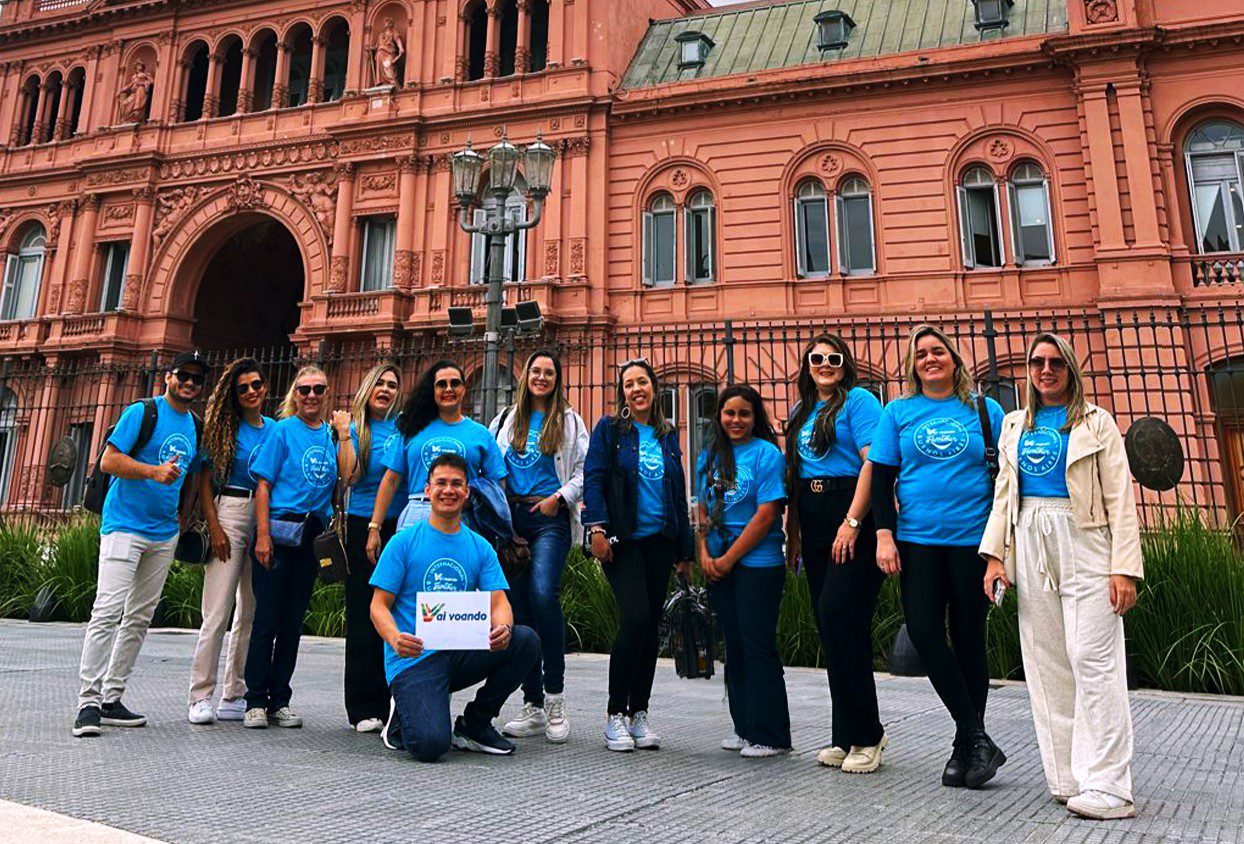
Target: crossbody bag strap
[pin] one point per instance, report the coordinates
(991, 450)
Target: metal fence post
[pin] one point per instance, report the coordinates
(991, 348)
(153, 369)
(729, 344)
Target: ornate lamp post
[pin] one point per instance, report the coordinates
(468, 168)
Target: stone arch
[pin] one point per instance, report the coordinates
(190, 242)
(14, 228)
(1174, 137)
(680, 176)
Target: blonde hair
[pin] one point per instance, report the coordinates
(1077, 405)
(360, 415)
(289, 405)
(962, 380)
(553, 428)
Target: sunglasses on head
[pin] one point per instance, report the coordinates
(448, 383)
(632, 362)
(834, 359)
(249, 387)
(1038, 362)
(305, 390)
(196, 378)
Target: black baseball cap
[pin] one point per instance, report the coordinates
(193, 356)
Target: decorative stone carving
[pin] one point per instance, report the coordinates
(1000, 149)
(830, 164)
(377, 143)
(171, 205)
(77, 296)
(380, 183)
(679, 178)
(552, 258)
(338, 270)
(131, 292)
(248, 160)
(119, 213)
(403, 261)
(136, 95)
(6, 216)
(114, 177)
(318, 191)
(416, 270)
(438, 267)
(389, 48)
(1101, 11)
(578, 256)
(244, 194)
(572, 147)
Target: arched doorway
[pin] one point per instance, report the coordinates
(250, 286)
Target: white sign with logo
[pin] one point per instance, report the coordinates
(454, 621)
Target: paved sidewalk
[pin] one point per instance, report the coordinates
(177, 782)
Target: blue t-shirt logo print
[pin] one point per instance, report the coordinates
(316, 466)
(175, 445)
(805, 442)
(531, 455)
(941, 439)
(742, 486)
(445, 575)
(250, 465)
(437, 446)
(651, 460)
(1040, 450)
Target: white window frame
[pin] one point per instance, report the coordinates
(14, 271)
(690, 212)
(1235, 236)
(109, 280)
(844, 252)
(649, 244)
(807, 195)
(8, 449)
(1014, 185)
(383, 273)
(965, 230)
(515, 244)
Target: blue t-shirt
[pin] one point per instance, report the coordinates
(532, 472)
(363, 493)
(1043, 455)
(650, 520)
(944, 492)
(759, 469)
(249, 440)
(422, 559)
(854, 427)
(301, 464)
(149, 508)
(411, 457)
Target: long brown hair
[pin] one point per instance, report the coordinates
(823, 433)
(719, 453)
(553, 428)
(360, 414)
(221, 418)
(1077, 405)
(962, 380)
(660, 425)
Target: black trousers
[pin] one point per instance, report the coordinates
(746, 603)
(844, 598)
(367, 692)
(639, 576)
(937, 579)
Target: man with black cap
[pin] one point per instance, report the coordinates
(149, 454)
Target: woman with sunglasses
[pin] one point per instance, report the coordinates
(297, 468)
(545, 444)
(741, 495)
(431, 423)
(635, 510)
(234, 428)
(930, 449)
(373, 426)
(827, 442)
(1064, 530)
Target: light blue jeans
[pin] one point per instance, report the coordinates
(417, 509)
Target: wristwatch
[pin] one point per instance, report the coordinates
(851, 522)
(373, 526)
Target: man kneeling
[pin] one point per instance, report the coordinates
(443, 555)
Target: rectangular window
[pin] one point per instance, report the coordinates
(21, 286)
(978, 213)
(699, 245)
(116, 261)
(812, 237)
(81, 434)
(659, 248)
(1217, 208)
(376, 272)
(855, 235)
(1033, 236)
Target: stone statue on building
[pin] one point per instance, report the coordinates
(389, 49)
(136, 95)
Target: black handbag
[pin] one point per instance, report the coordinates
(329, 547)
(194, 546)
(688, 631)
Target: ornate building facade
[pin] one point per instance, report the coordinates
(238, 174)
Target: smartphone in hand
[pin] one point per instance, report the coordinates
(999, 591)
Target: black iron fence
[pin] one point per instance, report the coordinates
(1183, 365)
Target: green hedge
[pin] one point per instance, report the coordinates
(1185, 634)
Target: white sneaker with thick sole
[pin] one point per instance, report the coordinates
(256, 718)
(617, 737)
(285, 717)
(530, 721)
(558, 728)
(761, 751)
(831, 757)
(1100, 806)
(733, 743)
(201, 712)
(369, 725)
(231, 710)
(645, 738)
(865, 760)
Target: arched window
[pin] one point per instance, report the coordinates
(538, 40)
(508, 45)
(22, 274)
(73, 107)
(1030, 215)
(659, 241)
(979, 224)
(515, 266)
(299, 41)
(1215, 157)
(53, 89)
(29, 111)
(701, 217)
(811, 230)
(8, 439)
(195, 85)
(264, 47)
(476, 40)
(230, 52)
(336, 56)
(854, 208)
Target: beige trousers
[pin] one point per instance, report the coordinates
(226, 584)
(1073, 651)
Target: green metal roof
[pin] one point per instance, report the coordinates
(752, 38)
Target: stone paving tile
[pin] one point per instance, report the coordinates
(177, 782)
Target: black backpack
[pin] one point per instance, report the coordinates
(97, 483)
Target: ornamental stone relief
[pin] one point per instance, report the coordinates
(171, 206)
(1101, 11)
(318, 191)
(115, 177)
(248, 160)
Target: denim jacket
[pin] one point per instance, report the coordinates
(611, 484)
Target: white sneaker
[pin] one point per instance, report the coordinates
(617, 736)
(369, 725)
(531, 721)
(831, 757)
(733, 743)
(256, 718)
(231, 710)
(285, 717)
(865, 760)
(558, 729)
(1100, 806)
(201, 712)
(645, 738)
(760, 751)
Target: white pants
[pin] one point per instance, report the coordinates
(226, 584)
(417, 509)
(1074, 657)
(132, 570)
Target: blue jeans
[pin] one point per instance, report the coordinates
(536, 597)
(420, 721)
(417, 509)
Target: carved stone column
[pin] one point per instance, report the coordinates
(177, 109)
(246, 86)
(140, 242)
(84, 252)
(403, 252)
(315, 87)
(43, 115)
(343, 219)
(68, 91)
(522, 48)
(211, 99)
(492, 49)
(280, 88)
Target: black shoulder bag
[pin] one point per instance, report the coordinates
(329, 547)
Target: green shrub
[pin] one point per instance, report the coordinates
(326, 614)
(181, 605)
(73, 567)
(22, 551)
(591, 614)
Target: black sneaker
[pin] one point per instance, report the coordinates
(87, 722)
(116, 715)
(984, 760)
(481, 738)
(956, 765)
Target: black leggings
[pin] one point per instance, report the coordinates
(639, 575)
(367, 691)
(936, 578)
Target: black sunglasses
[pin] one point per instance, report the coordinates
(249, 386)
(196, 378)
(834, 359)
(1055, 364)
(448, 383)
(307, 389)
